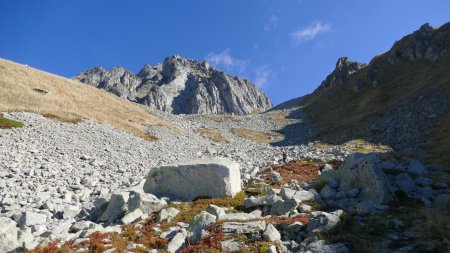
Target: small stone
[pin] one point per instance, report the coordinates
(31, 218)
(271, 233)
(131, 216)
(177, 242)
(167, 213)
(216, 211)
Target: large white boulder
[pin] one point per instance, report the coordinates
(8, 235)
(216, 177)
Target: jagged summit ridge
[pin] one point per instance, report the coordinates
(341, 74)
(180, 86)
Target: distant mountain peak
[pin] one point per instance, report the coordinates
(180, 85)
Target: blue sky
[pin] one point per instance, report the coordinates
(286, 47)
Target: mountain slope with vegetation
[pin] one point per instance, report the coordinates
(23, 88)
(401, 98)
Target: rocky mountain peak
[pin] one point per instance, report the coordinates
(344, 69)
(181, 86)
(425, 30)
(426, 43)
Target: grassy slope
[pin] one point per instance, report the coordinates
(69, 99)
(339, 109)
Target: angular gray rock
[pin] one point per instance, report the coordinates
(131, 216)
(180, 86)
(283, 207)
(322, 221)
(167, 213)
(251, 228)
(70, 211)
(271, 233)
(216, 177)
(300, 195)
(216, 211)
(198, 223)
(262, 201)
(31, 218)
(364, 172)
(117, 207)
(238, 216)
(147, 203)
(177, 242)
(8, 235)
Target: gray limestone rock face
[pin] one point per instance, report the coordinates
(180, 86)
(364, 172)
(216, 177)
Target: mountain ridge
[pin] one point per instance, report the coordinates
(180, 86)
(398, 98)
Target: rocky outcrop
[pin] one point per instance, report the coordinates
(340, 75)
(425, 43)
(215, 177)
(180, 86)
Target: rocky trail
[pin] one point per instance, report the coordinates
(79, 187)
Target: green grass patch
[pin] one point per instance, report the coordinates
(65, 119)
(9, 123)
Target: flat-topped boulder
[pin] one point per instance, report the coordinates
(215, 177)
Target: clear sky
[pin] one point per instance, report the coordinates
(287, 47)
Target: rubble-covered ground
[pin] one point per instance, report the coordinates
(56, 179)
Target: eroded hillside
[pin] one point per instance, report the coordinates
(401, 98)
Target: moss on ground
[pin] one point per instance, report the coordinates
(6, 123)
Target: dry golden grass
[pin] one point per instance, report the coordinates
(67, 100)
(358, 146)
(213, 134)
(257, 136)
(278, 117)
